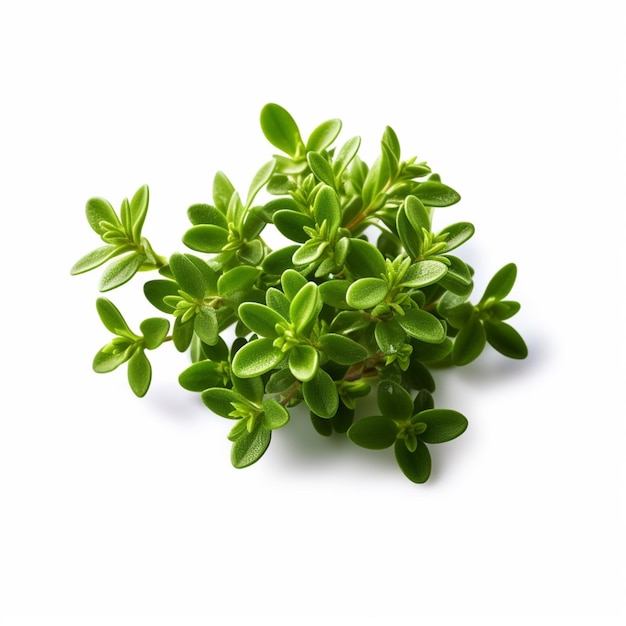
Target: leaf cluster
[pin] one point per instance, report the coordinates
(367, 293)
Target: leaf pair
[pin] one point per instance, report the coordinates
(408, 425)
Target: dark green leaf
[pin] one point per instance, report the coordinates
(342, 350)
(394, 401)
(248, 448)
(280, 381)
(291, 224)
(410, 237)
(333, 293)
(139, 373)
(458, 278)
(504, 309)
(322, 425)
(469, 342)
(422, 325)
(416, 466)
(280, 260)
(460, 315)
(323, 135)
(154, 331)
(252, 388)
(441, 425)
(423, 401)
(347, 322)
(256, 358)
(320, 394)
(364, 259)
(121, 271)
(390, 336)
(366, 293)
(281, 130)
(374, 432)
(506, 340)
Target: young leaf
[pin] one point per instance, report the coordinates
(458, 234)
(223, 191)
(291, 282)
(305, 306)
(303, 362)
(321, 168)
(96, 258)
(138, 211)
(99, 210)
(374, 432)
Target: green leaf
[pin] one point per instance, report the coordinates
(206, 326)
(250, 252)
(112, 319)
(275, 415)
(139, 373)
(506, 340)
(423, 401)
(280, 381)
(278, 302)
(182, 334)
(256, 358)
(206, 214)
(366, 293)
(248, 448)
(219, 400)
(121, 271)
(423, 273)
(280, 260)
(139, 210)
(469, 342)
(322, 425)
(410, 237)
(417, 214)
(223, 191)
(156, 290)
(105, 361)
(441, 425)
(250, 388)
(333, 293)
(305, 307)
(460, 315)
(364, 259)
(422, 325)
(394, 401)
(504, 309)
(206, 238)
(281, 130)
(327, 207)
(323, 135)
(291, 282)
(457, 234)
(190, 278)
(154, 331)
(201, 375)
(259, 180)
(375, 181)
(458, 278)
(303, 362)
(96, 258)
(390, 336)
(237, 282)
(374, 432)
(434, 193)
(347, 322)
(342, 350)
(99, 210)
(321, 168)
(320, 394)
(501, 283)
(291, 224)
(416, 466)
(309, 252)
(260, 319)
(345, 154)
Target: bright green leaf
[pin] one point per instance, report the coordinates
(112, 319)
(256, 358)
(303, 362)
(139, 373)
(121, 271)
(323, 135)
(281, 130)
(275, 415)
(366, 293)
(320, 394)
(154, 331)
(321, 168)
(99, 210)
(96, 258)
(422, 325)
(248, 448)
(260, 319)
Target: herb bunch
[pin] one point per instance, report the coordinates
(365, 295)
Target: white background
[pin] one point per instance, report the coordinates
(116, 510)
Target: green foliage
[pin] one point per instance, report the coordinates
(366, 293)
